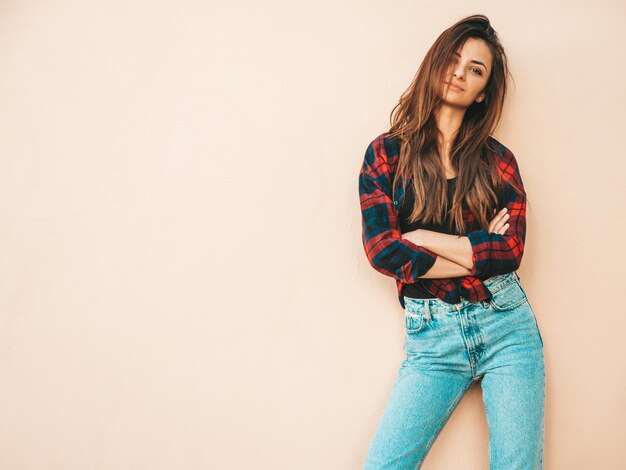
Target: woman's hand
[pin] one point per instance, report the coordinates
(498, 225)
(413, 236)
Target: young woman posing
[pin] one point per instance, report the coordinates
(444, 213)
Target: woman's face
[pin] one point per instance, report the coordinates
(469, 70)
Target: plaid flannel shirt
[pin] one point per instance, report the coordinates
(405, 261)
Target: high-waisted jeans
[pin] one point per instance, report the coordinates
(450, 346)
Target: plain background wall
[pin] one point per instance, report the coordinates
(182, 280)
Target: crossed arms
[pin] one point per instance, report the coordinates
(454, 253)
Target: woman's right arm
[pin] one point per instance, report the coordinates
(384, 246)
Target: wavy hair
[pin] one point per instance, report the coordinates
(413, 123)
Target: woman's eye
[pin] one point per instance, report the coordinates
(477, 70)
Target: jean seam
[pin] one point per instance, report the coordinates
(467, 348)
(536, 323)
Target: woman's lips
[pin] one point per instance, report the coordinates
(454, 87)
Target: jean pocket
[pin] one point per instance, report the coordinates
(414, 322)
(509, 297)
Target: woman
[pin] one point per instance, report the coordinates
(444, 213)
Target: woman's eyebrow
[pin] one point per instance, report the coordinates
(473, 60)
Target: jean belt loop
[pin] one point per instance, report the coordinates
(427, 313)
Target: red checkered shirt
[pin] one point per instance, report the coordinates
(405, 261)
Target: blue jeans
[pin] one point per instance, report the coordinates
(450, 346)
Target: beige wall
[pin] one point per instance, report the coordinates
(182, 281)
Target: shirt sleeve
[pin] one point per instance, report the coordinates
(386, 251)
(493, 253)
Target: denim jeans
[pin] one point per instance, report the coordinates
(450, 346)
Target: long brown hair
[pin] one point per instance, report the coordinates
(413, 123)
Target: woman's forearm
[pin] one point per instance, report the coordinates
(455, 248)
(445, 268)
